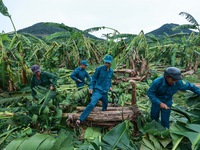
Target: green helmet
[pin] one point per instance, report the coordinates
(108, 59)
(174, 73)
(84, 62)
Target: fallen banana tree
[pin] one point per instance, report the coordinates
(111, 117)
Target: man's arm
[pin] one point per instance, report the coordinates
(73, 75)
(189, 86)
(53, 77)
(152, 93)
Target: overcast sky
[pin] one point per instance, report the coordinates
(127, 16)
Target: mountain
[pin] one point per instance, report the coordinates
(168, 29)
(47, 28)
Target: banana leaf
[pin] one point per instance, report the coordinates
(155, 142)
(49, 96)
(156, 136)
(3, 9)
(118, 137)
(91, 133)
(6, 134)
(93, 136)
(189, 131)
(177, 140)
(86, 147)
(147, 144)
(188, 115)
(81, 94)
(32, 143)
(45, 95)
(156, 128)
(65, 140)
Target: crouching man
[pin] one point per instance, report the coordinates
(41, 78)
(162, 90)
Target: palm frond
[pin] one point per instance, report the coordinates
(94, 29)
(189, 18)
(116, 36)
(100, 28)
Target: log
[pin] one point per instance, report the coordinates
(105, 124)
(81, 108)
(143, 69)
(102, 117)
(190, 72)
(129, 71)
(109, 118)
(104, 113)
(127, 79)
(133, 101)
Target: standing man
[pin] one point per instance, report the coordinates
(79, 74)
(99, 87)
(162, 90)
(41, 78)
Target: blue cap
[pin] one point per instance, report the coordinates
(84, 62)
(173, 72)
(108, 59)
(35, 69)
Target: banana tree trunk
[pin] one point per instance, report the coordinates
(196, 64)
(110, 117)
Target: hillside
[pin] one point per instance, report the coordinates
(46, 28)
(168, 29)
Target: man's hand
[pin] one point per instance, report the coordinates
(163, 106)
(90, 91)
(51, 88)
(79, 80)
(111, 89)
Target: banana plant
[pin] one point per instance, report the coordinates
(44, 141)
(194, 23)
(3, 57)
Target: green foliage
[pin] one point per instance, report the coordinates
(189, 131)
(118, 137)
(92, 133)
(169, 29)
(3, 9)
(189, 17)
(179, 135)
(64, 140)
